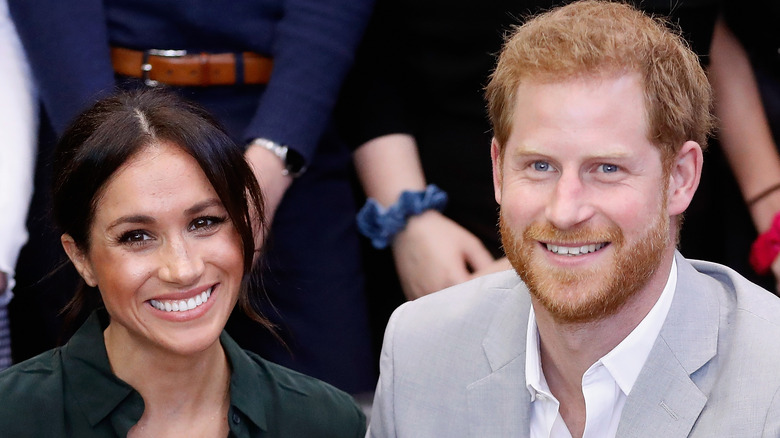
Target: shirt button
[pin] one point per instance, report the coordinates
(236, 418)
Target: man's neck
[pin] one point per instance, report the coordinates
(568, 350)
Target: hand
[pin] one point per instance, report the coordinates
(268, 171)
(776, 273)
(433, 253)
(498, 265)
(3, 282)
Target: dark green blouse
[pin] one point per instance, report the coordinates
(71, 391)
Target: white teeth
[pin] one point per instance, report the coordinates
(182, 305)
(575, 250)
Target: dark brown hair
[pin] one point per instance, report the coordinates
(115, 129)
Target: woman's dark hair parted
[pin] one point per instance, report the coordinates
(105, 137)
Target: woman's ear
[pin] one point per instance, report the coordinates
(79, 259)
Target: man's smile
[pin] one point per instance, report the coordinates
(575, 250)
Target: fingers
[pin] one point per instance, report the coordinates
(477, 257)
(498, 265)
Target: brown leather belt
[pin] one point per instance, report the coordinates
(176, 67)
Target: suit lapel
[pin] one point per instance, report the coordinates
(665, 401)
(499, 404)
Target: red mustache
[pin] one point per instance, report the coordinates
(548, 233)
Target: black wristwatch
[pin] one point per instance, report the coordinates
(294, 164)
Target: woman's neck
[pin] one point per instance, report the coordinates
(180, 393)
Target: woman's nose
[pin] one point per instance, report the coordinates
(180, 264)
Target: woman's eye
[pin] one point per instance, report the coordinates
(205, 223)
(135, 237)
(608, 168)
(541, 166)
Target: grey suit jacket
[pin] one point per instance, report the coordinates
(453, 363)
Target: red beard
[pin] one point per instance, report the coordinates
(578, 295)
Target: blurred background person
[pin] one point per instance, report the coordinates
(745, 73)
(18, 126)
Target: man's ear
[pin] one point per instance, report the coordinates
(495, 156)
(79, 259)
(684, 177)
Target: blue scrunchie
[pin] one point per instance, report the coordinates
(381, 224)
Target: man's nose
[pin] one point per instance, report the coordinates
(180, 264)
(569, 204)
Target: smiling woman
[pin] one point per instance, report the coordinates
(160, 215)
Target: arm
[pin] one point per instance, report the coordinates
(744, 134)
(314, 48)
(67, 46)
(18, 127)
(432, 252)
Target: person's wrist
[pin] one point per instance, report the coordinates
(292, 162)
(766, 248)
(381, 224)
(417, 225)
(763, 213)
(758, 197)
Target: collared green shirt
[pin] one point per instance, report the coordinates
(71, 391)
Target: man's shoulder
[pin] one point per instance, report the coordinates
(455, 323)
(438, 346)
(737, 320)
(475, 300)
(724, 332)
(739, 294)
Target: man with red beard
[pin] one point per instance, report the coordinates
(600, 114)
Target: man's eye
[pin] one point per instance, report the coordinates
(541, 166)
(608, 168)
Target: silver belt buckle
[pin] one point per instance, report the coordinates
(146, 67)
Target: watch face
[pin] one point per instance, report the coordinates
(294, 162)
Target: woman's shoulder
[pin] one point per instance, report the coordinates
(310, 406)
(294, 382)
(44, 370)
(31, 394)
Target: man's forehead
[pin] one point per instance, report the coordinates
(602, 72)
(586, 117)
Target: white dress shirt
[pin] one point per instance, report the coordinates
(605, 385)
(18, 144)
